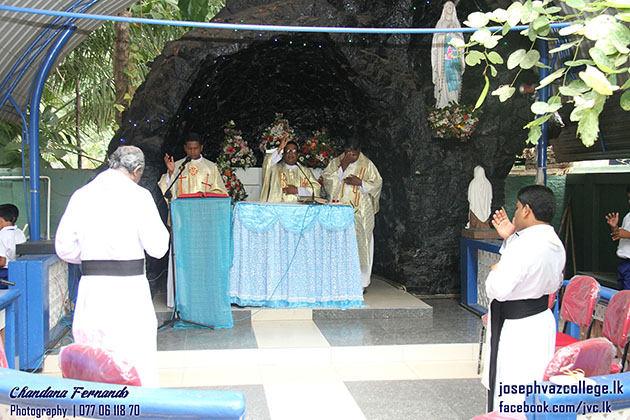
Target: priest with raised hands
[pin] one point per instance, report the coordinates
(284, 178)
(353, 179)
(199, 175)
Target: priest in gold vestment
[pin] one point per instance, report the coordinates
(353, 179)
(199, 176)
(284, 179)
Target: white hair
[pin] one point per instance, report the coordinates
(128, 158)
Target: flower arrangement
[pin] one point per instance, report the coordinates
(453, 121)
(234, 150)
(234, 186)
(272, 135)
(317, 150)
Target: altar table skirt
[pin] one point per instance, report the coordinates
(295, 255)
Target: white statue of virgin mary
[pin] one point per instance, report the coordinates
(479, 200)
(448, 65)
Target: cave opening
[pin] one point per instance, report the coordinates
(304, 77)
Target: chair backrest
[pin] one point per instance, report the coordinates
(87, 363)
(617, 318)
(594, 356)
(3, 357)
(579, 299)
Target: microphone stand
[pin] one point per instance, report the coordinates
(175, 316)
(309, 181)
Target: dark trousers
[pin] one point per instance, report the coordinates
(623, 274)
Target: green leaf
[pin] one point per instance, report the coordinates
(476, 20)
(620, 37)
(599, 27)
(484, 93)
(626, 85)
(498, 15)
(541, 25)
(577, 4)
(539, 108)
(526, 11)
(514, 13)
(493, 70)
(553, 76)
(588, 127)
(601, 60)
(624, 101)
(504, 92)
(606, 45)
(577, 63)
(495, 58)
(481, 35)
(492, 41)
(538, 121)
(564, 46)
(552, 10)
(571, 29)
(625, 17)
(457, 42)
(530, 59)
(514, 60)
(597, 80)
(505, 29)
(474, 57)
(534, 134)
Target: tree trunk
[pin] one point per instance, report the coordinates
(121, 63)
(78, 121)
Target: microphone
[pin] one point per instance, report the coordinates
(168, 194)
(309, 181)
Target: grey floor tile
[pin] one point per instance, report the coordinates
(255, 400)
(449, 399)
(171, 339)
(241, 336)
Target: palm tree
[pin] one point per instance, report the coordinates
(87, 92)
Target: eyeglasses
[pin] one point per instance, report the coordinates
(291, 151)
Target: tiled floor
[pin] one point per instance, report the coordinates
(401, 358)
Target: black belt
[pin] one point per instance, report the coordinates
(113, 267)
(499, 312)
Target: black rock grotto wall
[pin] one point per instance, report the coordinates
(376, 86)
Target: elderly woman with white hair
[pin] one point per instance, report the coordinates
(107, 227)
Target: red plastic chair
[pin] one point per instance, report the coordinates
(617, 322)
(578, 305)
(3, 357)
(594, 356)
(88, 363)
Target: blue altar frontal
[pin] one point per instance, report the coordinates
(295, 255)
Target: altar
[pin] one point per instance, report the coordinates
(295, 255)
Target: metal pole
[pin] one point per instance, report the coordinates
(33, 127)
(541, 169)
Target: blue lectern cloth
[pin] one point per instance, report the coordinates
(295, 255)
(203, 255)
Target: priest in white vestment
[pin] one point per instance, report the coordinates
(284, 178)
(199, 175)
(530, 269)
(107, 227)
(353, 179)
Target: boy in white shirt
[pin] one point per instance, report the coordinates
(622, 234)
(10, 236)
